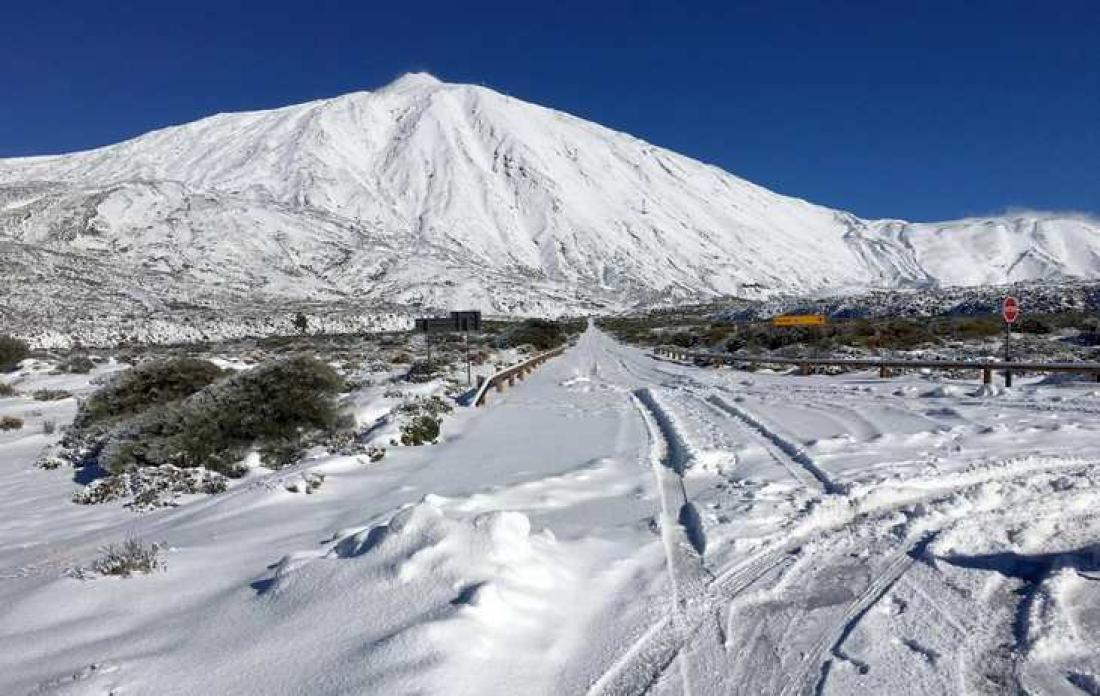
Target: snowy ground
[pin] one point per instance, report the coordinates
(615, 524)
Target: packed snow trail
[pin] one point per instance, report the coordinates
(614, 524)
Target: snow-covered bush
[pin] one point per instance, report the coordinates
(12, 351)
(151, 487)
(278, 407)
(422, 417)
(420, 430)
(129, 557)
(145, 386)
(50, 394)
(309, 483)
(433, 406)
(10, 423)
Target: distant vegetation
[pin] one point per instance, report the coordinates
(541, 334)
(76, 365)
(861, 335)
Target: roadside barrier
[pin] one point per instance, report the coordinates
(508, 377)
(885, 365)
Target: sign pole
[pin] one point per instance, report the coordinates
(1010, 311)
(469, 381)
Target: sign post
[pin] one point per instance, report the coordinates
(469, 382)
(1010, 311)
(463, 321)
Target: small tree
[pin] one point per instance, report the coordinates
(301, 322)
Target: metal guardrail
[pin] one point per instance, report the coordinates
(884, 365)
(509, 375)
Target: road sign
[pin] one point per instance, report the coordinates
(1010, 310)
(799, 320)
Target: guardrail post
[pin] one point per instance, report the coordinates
(804, 369)
(1096, 376)
(987, 375)
(499, 385)
(884, 371)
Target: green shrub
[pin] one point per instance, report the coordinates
(276, 407)
(10, 423)
(51, 395)
(540, 333)
(684, 339)
(1033, 325)
(420, 430)
(421, 371)
(433, 405)
(12, 351)
(147, 385)
(978, 328)
(736, 343)
(76, 365)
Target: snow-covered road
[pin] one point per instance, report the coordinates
(616, 524)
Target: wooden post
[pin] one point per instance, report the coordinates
(499, 385)
(883, 371)
(987, 375)
(804, 369)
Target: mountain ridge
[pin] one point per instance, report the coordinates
(430, 194)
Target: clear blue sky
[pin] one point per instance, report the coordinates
(922, 110)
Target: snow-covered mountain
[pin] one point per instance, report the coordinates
(424, 193)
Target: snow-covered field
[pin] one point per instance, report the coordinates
(615, 524)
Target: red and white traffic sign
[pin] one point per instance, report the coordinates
(1010, 310)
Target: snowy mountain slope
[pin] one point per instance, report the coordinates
(431, 194)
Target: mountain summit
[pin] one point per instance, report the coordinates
(425, 193)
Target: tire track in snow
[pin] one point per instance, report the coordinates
(794, 453)
(833, 639)
(684, 542)
(676, 457)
